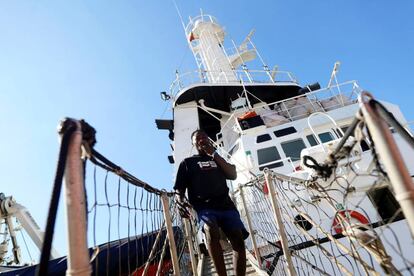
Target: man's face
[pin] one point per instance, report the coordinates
(200, 139)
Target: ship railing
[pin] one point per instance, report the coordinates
(200, 18)
(117, 224)
(322, 100)
(330, 223)
(200, 77)
(313, 224)
(409, 125)
(296, 108)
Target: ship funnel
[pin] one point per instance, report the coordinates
(205, 37)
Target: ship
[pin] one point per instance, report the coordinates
(324, 178)
(310, 148)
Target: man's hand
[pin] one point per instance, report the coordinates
(182, 206)
(207, 146)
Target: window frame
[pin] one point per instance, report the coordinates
(271, 164)
(290, 141)
(263, 135)
(280, 132)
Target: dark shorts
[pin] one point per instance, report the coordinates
(227, 220)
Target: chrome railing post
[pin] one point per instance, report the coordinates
(287, 110)
(267, 70)
(177, 77)
(279, 222)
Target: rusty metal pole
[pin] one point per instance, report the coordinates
(391, 157)
(279, 223)
(78, 254)
(250, 226)
(170, 233)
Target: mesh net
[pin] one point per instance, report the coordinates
(346, 222)
(126, 225)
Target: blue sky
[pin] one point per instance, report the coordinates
(107, 61)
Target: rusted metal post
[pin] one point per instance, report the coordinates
(391, 157)
(279, 223)
(170, 233)
(189, 233)
(250, 226)
(78, 255)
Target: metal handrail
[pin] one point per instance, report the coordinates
(202, 18)
(352, 95)
(200, 76)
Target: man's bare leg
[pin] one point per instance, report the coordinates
(213, 243)
(239, 252)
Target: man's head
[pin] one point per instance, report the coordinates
(199, 139)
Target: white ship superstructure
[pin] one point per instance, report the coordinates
(324, 179)
(264, 119)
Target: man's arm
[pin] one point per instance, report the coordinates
(180, 186)
(229, 170)
(181, 179)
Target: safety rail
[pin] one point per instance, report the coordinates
(296, 108)
(409, 125)
(326, 223)
(117, 223)
(319, 237)
(324, 99)
(244, 77)
(202, 18)
(333, 222)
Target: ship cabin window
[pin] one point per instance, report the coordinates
(293, 148)
(284, 131)
(312, 140)
(324, 137)
(263, 138)
(268, 156)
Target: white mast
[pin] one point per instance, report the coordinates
(206, 37)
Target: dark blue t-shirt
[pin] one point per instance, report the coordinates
(206, 183)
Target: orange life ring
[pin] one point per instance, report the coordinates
(336, 225)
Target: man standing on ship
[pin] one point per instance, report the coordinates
(204, 175)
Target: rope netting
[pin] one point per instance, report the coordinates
(337, 215)
(131, 227)
(343, 219)
(126, 223)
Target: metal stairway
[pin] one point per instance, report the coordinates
(209, 269)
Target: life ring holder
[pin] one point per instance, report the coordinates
(336, 225)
